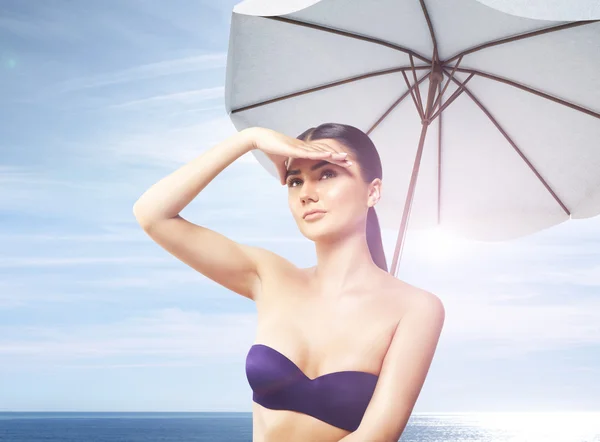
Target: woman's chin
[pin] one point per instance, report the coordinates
(316, 232)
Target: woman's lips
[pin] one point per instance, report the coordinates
(315, 215)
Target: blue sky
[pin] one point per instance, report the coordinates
(102, 99)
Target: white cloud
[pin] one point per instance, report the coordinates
(171, 148)
(158, 278)
(21, 175)
(58, 262)
(179, 98)
(508, 329)
(24, 189)
(33, 291)
(18, 295)
(134, 236)
(146, 71)
(37, 29)
(164, 334)
(587, 276)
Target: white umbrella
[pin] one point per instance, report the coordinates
(513, 145)
(548, 9)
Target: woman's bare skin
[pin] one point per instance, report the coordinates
(323, 334)
(339, 315)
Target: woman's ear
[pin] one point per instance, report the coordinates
(375, 192)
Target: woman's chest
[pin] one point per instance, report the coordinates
(323, 336)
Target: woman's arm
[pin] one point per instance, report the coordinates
(403, 373)
(238, 267)
(170, 195)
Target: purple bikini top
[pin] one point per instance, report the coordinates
(338, 398)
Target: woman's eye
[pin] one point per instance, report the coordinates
(327, 172)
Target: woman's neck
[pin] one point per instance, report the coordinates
(343, 265)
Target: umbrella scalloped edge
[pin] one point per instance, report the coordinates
(269, 8)
(554, 10)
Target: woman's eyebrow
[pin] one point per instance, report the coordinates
(313, 167)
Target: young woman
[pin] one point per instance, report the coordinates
(342, 348)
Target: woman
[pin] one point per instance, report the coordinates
(343, 348)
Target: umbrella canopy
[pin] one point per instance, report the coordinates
(548, 9)
(487, 124)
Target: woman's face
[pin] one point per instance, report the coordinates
(338, 191)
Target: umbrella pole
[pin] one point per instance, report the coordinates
(435, 78)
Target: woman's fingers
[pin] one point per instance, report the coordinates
(321, 148)
(318, 154)
(282, 172)
(333, 155)
(339, 158)
(317, 151)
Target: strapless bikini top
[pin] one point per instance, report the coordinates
(340, 398)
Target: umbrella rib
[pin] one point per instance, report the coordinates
(439, 97)
(520, 37)
(350, 35)
(453, 97)
(326, 86)
(512, 143)
(396, 103)
(417, 90)
(439, 189)
(531, 90)
(412, 94)
(436, 56)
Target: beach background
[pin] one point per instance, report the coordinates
(237, 427)
(102, 99)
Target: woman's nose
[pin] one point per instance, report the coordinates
(309, 191)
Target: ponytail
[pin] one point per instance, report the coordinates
(374, 239)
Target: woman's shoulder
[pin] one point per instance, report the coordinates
(393, 292)
(405, 297)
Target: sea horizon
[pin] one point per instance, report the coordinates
(250, 412)
(236, 426)
(11, 414)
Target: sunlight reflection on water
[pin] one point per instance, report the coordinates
(504, 427)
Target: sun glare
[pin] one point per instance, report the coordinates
(435, 245)
(548, 427)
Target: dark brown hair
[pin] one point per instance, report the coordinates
(367, 157)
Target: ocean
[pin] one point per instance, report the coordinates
(237, 427)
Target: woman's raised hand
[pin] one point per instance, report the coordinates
(279, 148)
